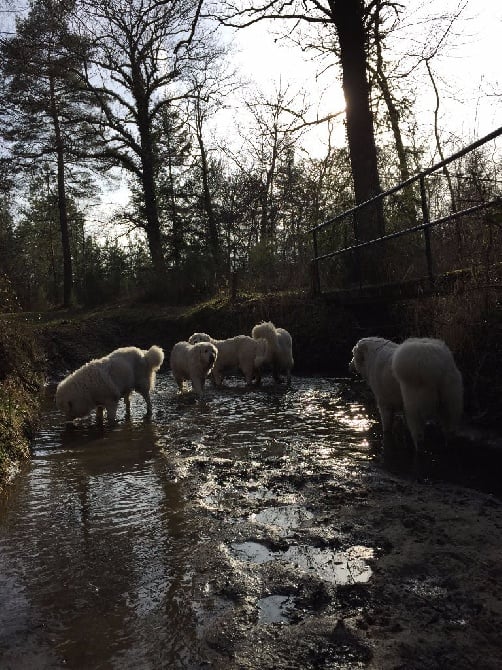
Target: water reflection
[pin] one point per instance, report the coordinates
(338, 567)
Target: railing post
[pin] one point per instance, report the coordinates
(427, 235)
(316, 281)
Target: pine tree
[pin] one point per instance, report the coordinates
(44, 109)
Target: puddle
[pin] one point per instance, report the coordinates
(285, 518)
(347, 567)
(276, 609)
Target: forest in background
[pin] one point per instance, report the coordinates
(92, 90)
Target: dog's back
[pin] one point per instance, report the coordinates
(267, 331)
(132, 368)
(430, 382)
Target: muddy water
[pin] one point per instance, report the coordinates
(98, 533)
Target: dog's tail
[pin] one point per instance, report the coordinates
(267, 330)
(261, 352)
(154, 357)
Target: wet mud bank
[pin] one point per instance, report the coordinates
(379, 572)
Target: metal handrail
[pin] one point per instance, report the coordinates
(424, 226)
(411, 180)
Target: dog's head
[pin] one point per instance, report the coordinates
(359, 357)
(366, 352)
(207, 353)
(72, 405)
(199, 337)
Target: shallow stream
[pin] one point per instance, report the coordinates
(99, 530)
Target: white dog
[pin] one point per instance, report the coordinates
(372, 358)
(102, 382)
(240, 352)
(280, 348)
(193, 362)
(431, 385)
(418, 376)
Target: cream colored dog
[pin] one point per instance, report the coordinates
(418, 376)
(236, 353)
(372, 358)
(280, 349)
(193, 362)
(431, 385)
(102, 382)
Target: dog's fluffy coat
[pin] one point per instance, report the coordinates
(102, 382)
(236, 353)
(418, 376)
(192, 362)
(431, 385)
(280, 349)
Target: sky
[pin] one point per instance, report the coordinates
(468, 69)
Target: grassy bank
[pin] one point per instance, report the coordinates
(22, 371)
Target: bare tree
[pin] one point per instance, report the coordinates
(142, 54)
(210, 85)
(347, 19)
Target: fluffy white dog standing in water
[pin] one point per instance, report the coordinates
(102, 382)
(372, 358)
(280, 348)
(193, 362)
(431, 385)
(419, 376)
(240, 352)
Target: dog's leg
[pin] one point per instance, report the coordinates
(127, 400)
(146, 398)
(111, 411)
(387, 417)
(217, 376)
(198, 385)
(248, 372)
(179, 381)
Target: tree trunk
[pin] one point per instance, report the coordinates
(177, 232)
(214, 241)
(62, 206)
(152, 225)
(348, 18)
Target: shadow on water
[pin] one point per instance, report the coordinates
(97, 534)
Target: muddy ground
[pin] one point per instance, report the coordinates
(422, 587)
